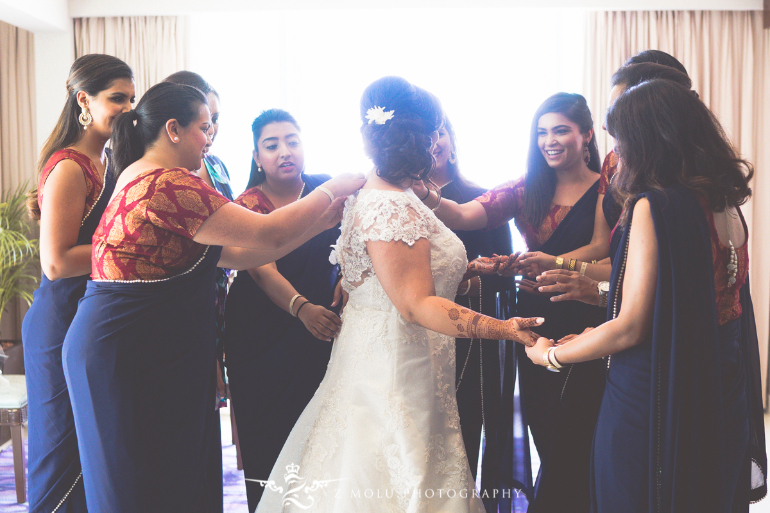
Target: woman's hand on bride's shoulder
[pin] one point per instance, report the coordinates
(345, 184)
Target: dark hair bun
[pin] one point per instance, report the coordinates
(400, 147)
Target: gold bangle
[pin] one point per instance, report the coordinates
(593, 262)
(572, 264)
(583, 268)
(559, 263)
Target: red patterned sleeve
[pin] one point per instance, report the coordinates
(181, 202)
(503, 203)
(256, 201)
(609, 168)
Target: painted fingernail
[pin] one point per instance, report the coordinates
(540, 320)
(540, 289)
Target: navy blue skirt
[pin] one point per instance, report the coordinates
(138, 359)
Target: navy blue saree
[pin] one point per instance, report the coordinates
(54, 460)
(561, 408)
(681, 423)
(138, 359)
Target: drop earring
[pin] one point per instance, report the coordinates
(452, 157)
(586, 154)
(85, 118)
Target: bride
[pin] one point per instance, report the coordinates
(382, 433)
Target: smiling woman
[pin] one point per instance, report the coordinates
(553, 207)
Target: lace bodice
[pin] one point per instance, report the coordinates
(376, 215)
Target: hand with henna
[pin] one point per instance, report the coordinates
(503, 265)
(470, 324)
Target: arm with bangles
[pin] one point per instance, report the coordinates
(245, 249)
(65, 200)
(466, 216)
(322, 323)
(634, 321)
(405, 274)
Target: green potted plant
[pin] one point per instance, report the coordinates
(17, 249)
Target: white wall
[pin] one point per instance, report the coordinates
(84, 8)
(54, 54)
(35, 15)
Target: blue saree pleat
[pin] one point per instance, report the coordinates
(54, 461)
(138, 360)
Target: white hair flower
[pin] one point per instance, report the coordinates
(378, 115)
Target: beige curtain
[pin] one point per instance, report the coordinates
(152, 45)
(727, 54)
(18, 145)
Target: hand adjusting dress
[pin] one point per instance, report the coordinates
(383, 426)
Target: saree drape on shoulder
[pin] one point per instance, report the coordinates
(681, 423)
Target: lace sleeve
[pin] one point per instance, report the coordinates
(393, 217)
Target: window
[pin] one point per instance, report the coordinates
(491, 68)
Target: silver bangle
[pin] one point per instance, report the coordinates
(465, 293)
(552, 358)
(291, 304)
(326, 191)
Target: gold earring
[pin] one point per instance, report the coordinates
(452, 157)
(85, 118)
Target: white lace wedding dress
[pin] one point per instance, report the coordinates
(382, 433)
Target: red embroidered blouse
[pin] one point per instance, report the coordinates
(255, 200)
(506, 202)
(727, 296)
(146, 231)
(94, 181)
(609, 168)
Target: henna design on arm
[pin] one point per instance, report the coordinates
(476, 325)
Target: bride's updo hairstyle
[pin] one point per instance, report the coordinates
(398, 119)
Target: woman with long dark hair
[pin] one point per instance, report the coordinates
(213, 171)
(553, 207)
(74, 184)
(479, 382)
(382, 431)
(280, 318)
(681, 422)
(139, 351)
(607, 207)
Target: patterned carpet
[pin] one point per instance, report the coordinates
(234, 487)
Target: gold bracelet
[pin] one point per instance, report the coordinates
(583, 268)
(572, 264)
(559, 263)
(291, 303)
(593, 262)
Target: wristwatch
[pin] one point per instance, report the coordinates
(604, 292)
